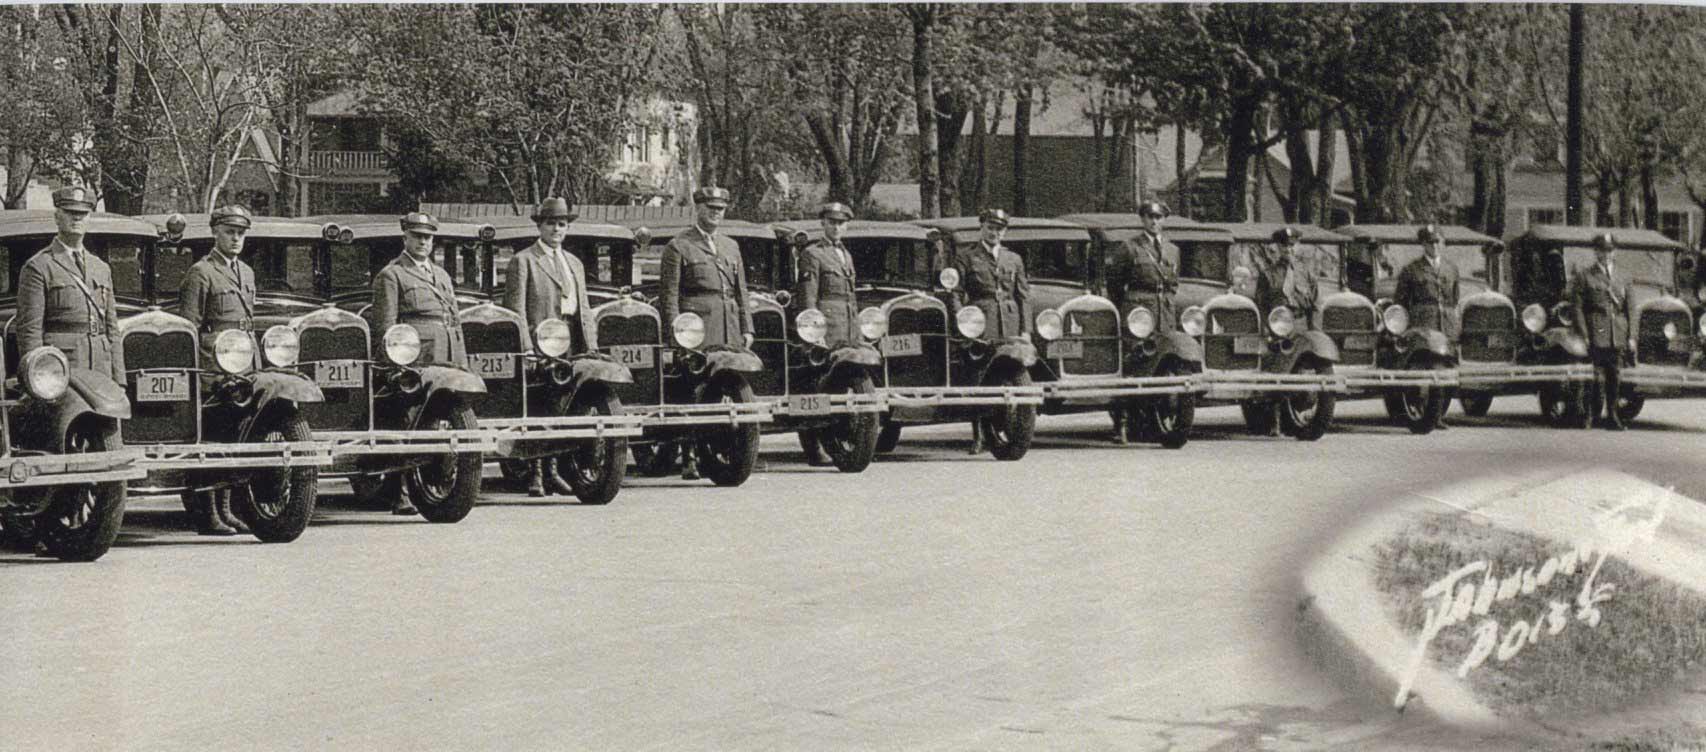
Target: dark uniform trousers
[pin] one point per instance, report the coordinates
(1138, 275)
(1601, 319)
(997, 285)
(1429, 296)
(404, 293)
(703, 274)
(1284, 284)
(216, 297)
(71, 308)
(827, 284)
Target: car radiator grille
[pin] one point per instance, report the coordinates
(1651, 345)
(1489, 335)
(930, 368)
(161, 421)
(503, 396)
(1100, 333)
(345, 409)
(770, 343)
(1218, 348)
(1351, 328)
(634, 330)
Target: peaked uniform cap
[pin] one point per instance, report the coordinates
(419, 222)
(993, 217)
(713, 195)
(233, 215)
(1429, 234)
(1604, 240)
(1286, 235)
(1152, 209)
(835, 210)
(75, 198)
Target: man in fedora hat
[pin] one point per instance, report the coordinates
(1601, 305)
(1427, 289)
(218, 293)
(701, 272)
(415, 291)
(65, 294)
(546, 281)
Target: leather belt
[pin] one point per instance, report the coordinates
(428, 318)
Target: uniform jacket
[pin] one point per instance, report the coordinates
(826, 283)
(996, 284)
(534, 289)
(59, 306)
(1284, 284)
(1429, 296)
(214, 298)
(403, 293)
(1602, 315)
(703, 274)
(1138, 275)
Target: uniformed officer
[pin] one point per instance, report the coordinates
(415, 291)
(993, 279)
(65, 294)
(1602, 319)
(1139, 275)
(546, 281)
(218, 293)
(701, 272)
(1427, 289)
(827, 276)
(1285, 283)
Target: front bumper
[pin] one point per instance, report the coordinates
(511, 433)
(1381, 379)
(910, 397)
(674, 415)
(315, 453)
(36, 471)
(1492, 376)
(423, 442)
(1239, 385)
(1106, 388)
(1664, 378)
(820, 405)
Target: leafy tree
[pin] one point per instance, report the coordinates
(42, 130)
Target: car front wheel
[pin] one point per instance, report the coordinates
(444, 489)
(82, 521)
(278, 502)
(1010, 429)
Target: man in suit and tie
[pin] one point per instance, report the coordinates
(218, 293)
(415, 291)
(546, 281)
(1427, 289)
(1601, 303)
(65, 294)
(701, 272)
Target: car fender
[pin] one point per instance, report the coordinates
(278, 391)
(846, 362)
(1560, 338)
(595, 369)
(738, 361)
(1179, 345)
(41, 425)
(1426, 340)
(99, 394)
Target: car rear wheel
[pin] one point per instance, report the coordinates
(1423, 407)
(594, 471)
(728, 456)
(851, 440)
(445, 488)
(1009, 429)
(82, 521)
(1307, 415)
(1475, 404)
(278, 502)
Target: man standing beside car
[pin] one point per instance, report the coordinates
(217, 294)
(545, 281)
(65, 294)
(1427, 289)
(701, 273)
(826, 284)
(415, 291)
(1138, 275)
(1601, 319)
(1283, 283)
(993, 280)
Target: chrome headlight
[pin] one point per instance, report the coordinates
(949, 277)
(1194, 321)
(1395, 318)
(402, 344)
(689, 330)
(1670, 330)
(1281, 321)
(281, 346)
(1563, 313)
(1534, 318)
(812, 326)
(970, 321)
(872, 323)
(1049, 325)
(552, 337)
(1140, 322)
(1703, 324)
(234, 351)
(46, 373)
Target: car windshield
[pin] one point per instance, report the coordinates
(124, 256)
(1471, 265)
(281, 266)
(354, 264)
(1202, 260)
(902, 260)
(1059, 260)
(462, 259)
(1643, 268)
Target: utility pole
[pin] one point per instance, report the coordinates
(1573, 122)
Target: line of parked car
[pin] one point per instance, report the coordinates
(314, 392)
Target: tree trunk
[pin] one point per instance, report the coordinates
(1181, 176)
(1625, 203)
(1125, 127)
(1326, 157)
(1601, 201)
(835, 161)
(975, 182)
(1300, 191)
(1496, 203)
(924, 100)
(1573, 121)
(1649, 198)
(1240, 145)
(950, 121)
(1021, 146)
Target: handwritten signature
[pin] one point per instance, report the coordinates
(1458, 596)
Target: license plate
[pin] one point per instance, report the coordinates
(493, 365)
(163, 387)
(632, 356)
(808, 404)
(338, 374)
(1066, 350)
(1250, 344)
(903, 344)
(1359, 342)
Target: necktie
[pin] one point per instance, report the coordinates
(81, 269)
(846, 260)
(569, 302)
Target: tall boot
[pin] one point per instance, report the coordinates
(206, 515)
(536, 478)
(401, 506)
(1121, 436)
(976, 438)
(1613, 386)
(689, 462)
(222, 507)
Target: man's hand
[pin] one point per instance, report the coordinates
(748, 338)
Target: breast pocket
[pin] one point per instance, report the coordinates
(699, 275)
(419, 300)
(64, 298)
(225, 305)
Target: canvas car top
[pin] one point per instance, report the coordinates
(1263, 232)
(196, 227)
(20, 222)
(1454, 234)
(1117, 226)
(859, 228)
(1629, 238)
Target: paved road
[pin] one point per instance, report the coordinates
(1089, 597)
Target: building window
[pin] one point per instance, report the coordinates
(1545, 216)
(663, 139)
(1675, 225)
(342, 198)
(645, 140)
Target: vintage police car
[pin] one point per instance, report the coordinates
(1664, 358)
(65, 465)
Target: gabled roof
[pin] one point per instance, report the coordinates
(1454, 234)
(1627, 238)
